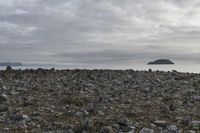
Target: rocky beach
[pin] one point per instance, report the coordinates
(99, 101)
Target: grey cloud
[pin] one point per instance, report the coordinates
(99, 31)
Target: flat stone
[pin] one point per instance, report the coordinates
(161, 123)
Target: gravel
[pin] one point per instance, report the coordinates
(105, 101)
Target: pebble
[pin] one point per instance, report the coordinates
(107, 129)
(172, 129)
(88, 123)
(195, 125)
(3, 98)
(124, 122)
(161, 123)
(146, 130)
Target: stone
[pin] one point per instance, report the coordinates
(116, 126)
(161, 123)
(172, 129)
(195, 125)
(146, 130)
(2, 119)
(101, 113)
(88, 123)
(124, 122)
(3, 98)
(25, 117)
(132, 131)
(184, 120)
(19, 118)
(8, 68)
(107, 129)
(79, 114)
(153, 125)
(3, 107)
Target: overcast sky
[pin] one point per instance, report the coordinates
(99, 31)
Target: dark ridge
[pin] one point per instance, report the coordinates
(160, 62)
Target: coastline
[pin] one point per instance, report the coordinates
(111, 101)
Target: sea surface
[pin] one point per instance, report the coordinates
(191, 68)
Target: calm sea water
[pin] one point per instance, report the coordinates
(191, 68)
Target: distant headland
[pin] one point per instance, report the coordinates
(161, 62)
(11, 64)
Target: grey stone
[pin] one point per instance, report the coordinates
(3, 107)
(107, 129)
(3, 98)
(88, 123)
(2, 119)
(171, 129)
(161, 123)
(124, 122)
(132, 131)
(195, 125)
(146, 130)
(184, 120)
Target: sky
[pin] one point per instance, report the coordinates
(96, 32)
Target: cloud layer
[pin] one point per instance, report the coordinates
(99, 31)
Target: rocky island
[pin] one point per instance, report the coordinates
(103, 101)
(11, 64)
(160, 62)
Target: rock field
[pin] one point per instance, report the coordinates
(99, 101)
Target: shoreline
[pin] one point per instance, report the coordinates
(96, 100)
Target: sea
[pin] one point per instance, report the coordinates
(187, 68)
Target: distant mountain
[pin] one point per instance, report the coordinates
(161, 61)
(11, 64)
